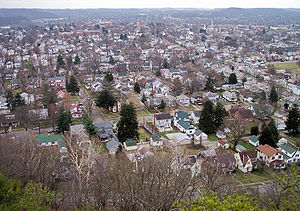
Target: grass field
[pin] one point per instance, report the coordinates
(75, 99)
(247, 145)
(255, 176)
(212, 137)
(143, 134)
(289, 66)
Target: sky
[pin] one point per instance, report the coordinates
(76, 4)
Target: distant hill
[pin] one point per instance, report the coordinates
(227, 15)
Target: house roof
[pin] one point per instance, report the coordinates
(222, 142)
(112, 145)
(130, 142)
(163, 116)
(184, 124)
(197, 113)
(182, 115)
(266, 149)
(179, 137)
(46, 139)
(198, 132)
(156, 137)
(254, 139)
(288, 147)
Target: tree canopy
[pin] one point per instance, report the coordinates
(109, 77)
(63, 120)
(232, 78)
(273, 95)
(293, 121)
(89, 126)
(211, 117)
(105, 99)
(268, 135)
(77, 59)
(209, 84)
(60, 63)
(128, 124)
(72, 85)
(137, 87)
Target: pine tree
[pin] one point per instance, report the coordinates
(111, 60)
(220, 113)
(19, 101)
(232, 78)
(165, 64)
(162, 105)
(10, 99)
(105, 99)
(273, 95)
(274, 130)
(109, 77)
(293, 121)
(206, 121)
(209, 84)
(77, 59)
(137, 87)
(89, 126)
(72, 85)
(254, 130)
(263, 95)
(60, 62)
(128, 125)
(266, 136)
(144, 99)
(63, 120)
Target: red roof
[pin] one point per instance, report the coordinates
(268, 150)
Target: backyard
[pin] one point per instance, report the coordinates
(289, 66)
(258, 175)
(143, 134)
(247, 145)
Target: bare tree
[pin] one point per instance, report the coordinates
(22, 114)
(237, 129)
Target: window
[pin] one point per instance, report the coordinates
(279, 157)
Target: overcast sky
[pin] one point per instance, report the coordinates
(61, 4)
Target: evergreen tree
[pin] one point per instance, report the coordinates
(89, 126)
(60, 62)
(109, 77)
(69, 61)
(206, 121)
(128, 124)
(274, 130)
(63, 120)
(162, 105)
(165, 64)
(266, 136)
(209, 84)
(72, 85)
(263, 95)
(77, 59)
(137, 87)
(157, 73)
(232, 78)
(105, 99)
(273, 95)
(254, 130)
(10, 99)
(220, 114)
(111, 60)
(19, 101)
(244, 80)
(293, 121)
(144, 99)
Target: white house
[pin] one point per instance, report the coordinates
(199, 136)
(28, 98)
(230, 96)
(272, 157)
(163, 121)
(183, 100)
(254, 140)
(195, 116)
(291, 153)
(246, 160)
(185, 127)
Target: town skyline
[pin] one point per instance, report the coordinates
(93, 4)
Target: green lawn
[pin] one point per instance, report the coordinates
(190, 107)
(247, 145)
(75, 98)
(255, 176)
(290, 66)
(285, 65)
(142, 113)
(77, 121)
(168, 132)
(294, 138)
(153, 111)
(212, 137)
(143, 134)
